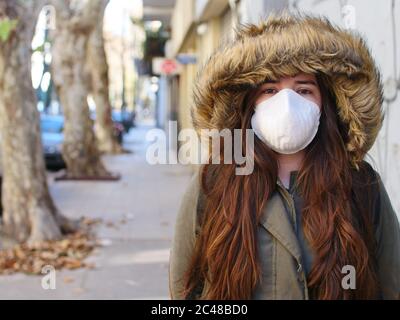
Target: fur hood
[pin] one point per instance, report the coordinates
(285, 45)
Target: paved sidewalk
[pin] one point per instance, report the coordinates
(139, 214)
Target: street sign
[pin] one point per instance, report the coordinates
(164, 66)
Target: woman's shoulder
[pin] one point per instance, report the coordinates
(366, 171)
(192, 191)
(191, 201)
(202, 179)
(369, 179)
(367, 186)
(372, 186)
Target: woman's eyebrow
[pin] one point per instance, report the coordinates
(270, 81)
(312, 82)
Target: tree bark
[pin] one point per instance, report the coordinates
(29, 213)
(106, 141)
(75, 20)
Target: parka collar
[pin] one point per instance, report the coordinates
(292, 181)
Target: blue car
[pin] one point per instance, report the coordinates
(51, 128)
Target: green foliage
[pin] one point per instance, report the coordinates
(6, 27)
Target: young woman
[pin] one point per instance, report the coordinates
(313, 220)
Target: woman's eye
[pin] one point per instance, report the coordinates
(269, 91)
(304, 91)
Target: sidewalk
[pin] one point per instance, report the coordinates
(139, 215)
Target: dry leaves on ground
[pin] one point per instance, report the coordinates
(67, 253)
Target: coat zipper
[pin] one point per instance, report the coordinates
(292, 209)
(290, 201)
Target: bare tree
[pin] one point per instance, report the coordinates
(75, 21)
(29, 213)
(97, 61)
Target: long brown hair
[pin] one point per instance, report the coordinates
(335, 217)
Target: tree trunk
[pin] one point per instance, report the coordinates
(75, 20)
(28, 209)
(106, 141)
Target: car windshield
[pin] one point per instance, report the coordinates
(117, 115)
(51, 125)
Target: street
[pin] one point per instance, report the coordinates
(138, 216)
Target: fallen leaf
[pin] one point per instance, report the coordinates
(67, 253)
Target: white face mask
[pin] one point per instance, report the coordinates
(286, 122)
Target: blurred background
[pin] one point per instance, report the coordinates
(82, 82)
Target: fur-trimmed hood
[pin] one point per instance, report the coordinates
(285, 45)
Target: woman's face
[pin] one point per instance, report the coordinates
(304, 84)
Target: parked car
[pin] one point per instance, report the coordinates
(51, 128)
